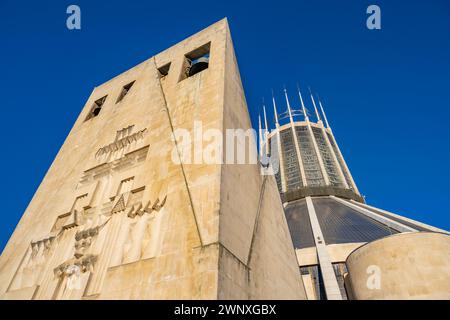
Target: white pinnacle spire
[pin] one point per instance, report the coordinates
(275, 110)
(323, 112)
(266, 130)
(260, 136)
(314, 104)
(265, 117)
(303, 105)
(288, 106)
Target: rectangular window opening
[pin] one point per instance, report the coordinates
(196, 61)
(96, 108)
(124, 91)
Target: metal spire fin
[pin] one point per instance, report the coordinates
(314, 104)
(260, 135)
(301, 100)
(266, 130)
(265, 116)
(288, 106)
(275, 110)
(323, 112)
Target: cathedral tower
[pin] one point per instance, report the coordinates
(119, 216)
(339, 239)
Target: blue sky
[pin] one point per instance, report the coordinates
(385, 91)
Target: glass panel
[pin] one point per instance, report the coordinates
(341, 161)
(309, 158)
(327, 158)
(291, 166)
(406, 223)
(341, 224)
(299, 226)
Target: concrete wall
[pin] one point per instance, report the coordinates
(411, 266)
(176, 232)
(338, 253)
(258, 249)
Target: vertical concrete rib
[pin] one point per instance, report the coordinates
(355, 188)
(329, 277)
(280, 154)
(281, 158)
(333, 154)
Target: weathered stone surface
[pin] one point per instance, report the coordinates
(116, 218)
(412, 265)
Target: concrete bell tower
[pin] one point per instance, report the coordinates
(117, 218)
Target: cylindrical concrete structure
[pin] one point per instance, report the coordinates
(413, 265)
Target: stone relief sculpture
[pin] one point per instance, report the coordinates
(125, 140)
(130, 160)
(74, 273)
(33, 264)
(139, 233)
(99, 230)
(73, 276)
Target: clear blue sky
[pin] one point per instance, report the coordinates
(386, 92)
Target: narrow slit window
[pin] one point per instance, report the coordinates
(196, 61)
(164, 70)
(124, 91)
(96, 108)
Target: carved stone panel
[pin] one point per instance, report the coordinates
(33, 264)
